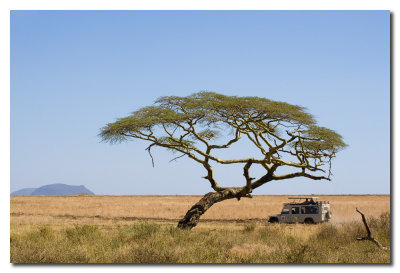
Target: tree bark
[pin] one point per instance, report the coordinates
(192, 217)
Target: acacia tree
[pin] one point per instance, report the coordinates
(285, 136)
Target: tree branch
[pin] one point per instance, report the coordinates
(175, 158)
(183, 120)
(237, 137)
(247, 176)
(298, 174)
(369, 233)
(148, 149)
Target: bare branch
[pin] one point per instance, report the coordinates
(210, 177)
(369, 233)
(266, 178)
(166, 130)
(266, 141)
(193, 131)
(175, 158)
(298, 174)
(237, 137)
(247, 176)
(256, 143)
(148, 149)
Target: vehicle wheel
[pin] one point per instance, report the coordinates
(273, 220)
(308, 221)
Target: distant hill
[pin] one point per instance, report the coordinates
(26, 191)
(54, 189)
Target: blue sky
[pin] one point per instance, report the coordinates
(74, 71)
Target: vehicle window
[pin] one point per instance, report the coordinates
(295, 210)
(285, 211)
(303, 210)
(311, 210)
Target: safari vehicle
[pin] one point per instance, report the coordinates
(303, 210)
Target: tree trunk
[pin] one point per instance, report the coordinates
(192, 217)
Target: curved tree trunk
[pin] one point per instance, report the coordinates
(192, 217)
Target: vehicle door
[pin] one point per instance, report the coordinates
(311, 211)
(303, 214)
(294, 214)
(285, 215)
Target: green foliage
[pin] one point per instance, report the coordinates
(324, 139)
(141, 120)
(217, 106)
(187, 124)
(174, 141)
(210, 108)
(209, 134)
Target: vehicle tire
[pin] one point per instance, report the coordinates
(308, 221)
(273, 220)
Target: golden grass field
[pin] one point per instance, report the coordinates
(154, 218)
(96, 209)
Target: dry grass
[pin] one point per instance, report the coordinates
(110, 229)
(91, 209)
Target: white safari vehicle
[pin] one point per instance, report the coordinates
(303, 210)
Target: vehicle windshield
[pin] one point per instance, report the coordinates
(285, 211)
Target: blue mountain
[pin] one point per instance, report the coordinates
(54, 189)
(26, 191)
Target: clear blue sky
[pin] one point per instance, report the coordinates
(74, 71)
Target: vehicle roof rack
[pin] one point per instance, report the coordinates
(303, 197)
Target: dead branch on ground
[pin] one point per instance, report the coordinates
(369, 233)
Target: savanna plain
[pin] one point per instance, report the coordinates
(142, 229)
